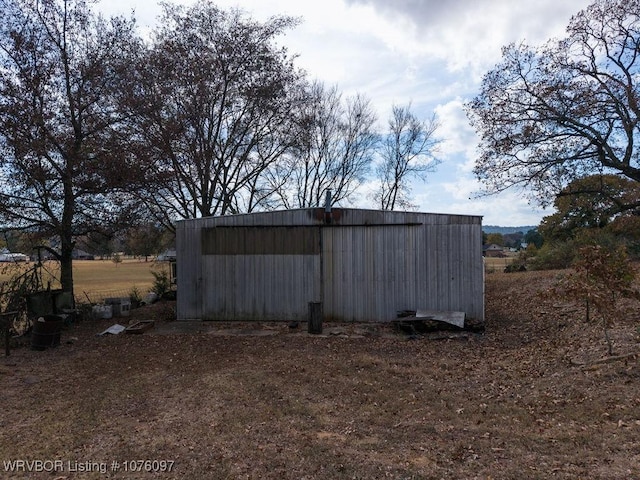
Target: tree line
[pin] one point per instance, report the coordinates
(143, 240)
(101, 129)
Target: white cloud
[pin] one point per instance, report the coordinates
(469, 34)
(458, 136)
(432, 53)
(458, 197)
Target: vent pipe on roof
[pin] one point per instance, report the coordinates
(327, 206)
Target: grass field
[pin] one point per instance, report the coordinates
(96, 279)
(494, 264)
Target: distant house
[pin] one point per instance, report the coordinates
(167, 256)
(82, 255)
(493, 250)
(6, 256)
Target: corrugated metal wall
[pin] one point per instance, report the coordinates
(364, 265)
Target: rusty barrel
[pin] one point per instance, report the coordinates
(46, 332)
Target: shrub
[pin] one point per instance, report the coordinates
(117, 259)
(601, 276)
(135, 297)
(515, 267)
(162, 283)
(553, 256)
(561, 254)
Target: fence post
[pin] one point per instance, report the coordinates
(6, 321)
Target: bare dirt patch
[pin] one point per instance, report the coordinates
(530, 398)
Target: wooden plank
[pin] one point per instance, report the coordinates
(140, 327)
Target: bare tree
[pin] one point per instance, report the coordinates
(63, 78)
(219, 93)
(334, 150)
(566, 110)
(408, 151)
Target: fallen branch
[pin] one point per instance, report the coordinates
(601, 361)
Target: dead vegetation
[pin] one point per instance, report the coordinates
(535, 396)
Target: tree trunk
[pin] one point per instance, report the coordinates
(66, 263)
(66, 239)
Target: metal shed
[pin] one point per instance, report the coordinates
(362, 265)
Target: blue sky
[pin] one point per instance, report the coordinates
(432, 53)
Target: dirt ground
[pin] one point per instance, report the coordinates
(534, 397)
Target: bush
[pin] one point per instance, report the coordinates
(601, 276)
(515, 267)
(558, 255)
(117, 259)
(162, 283)
(135, 297)
(553, 256)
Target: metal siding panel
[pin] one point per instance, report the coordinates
(213, 268)
(457, 293)
(477, 262)
(377, 274)
(387, 256)
(342, 267)
(429, 266)
(469, 275)
(464, 269)
(242, 283)
(344, 264)
(459, 271)
(363, 288)
(328, 255)
(360, 286)
(364, 251)
(367, 251)
(189, 272)
(444, 278)
(366, 279)
(410, 262)
(449, 281)
(343, 274)
(185, 274)
(407, 245)
(261, 287)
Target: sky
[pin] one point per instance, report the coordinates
(431, 54)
